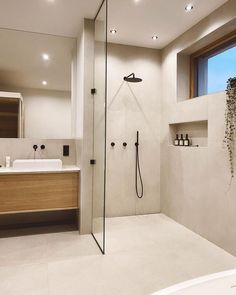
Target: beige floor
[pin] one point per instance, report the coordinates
(144, 254)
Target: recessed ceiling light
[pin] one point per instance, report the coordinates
(45, 56)
(188, 7)
(113, 31)
(137, 1)
(154, 37)
(44, 83)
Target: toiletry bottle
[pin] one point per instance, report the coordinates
(181, 141)
(176, 142)
(8, 161)
(186, 141)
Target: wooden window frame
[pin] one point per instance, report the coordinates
(210, 50)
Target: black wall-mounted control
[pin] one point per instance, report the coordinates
(66, 150)
(93, 91)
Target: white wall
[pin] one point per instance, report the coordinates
(195, 181)
(47, 113)
(132, 107)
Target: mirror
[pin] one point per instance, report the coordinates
(35, 85)
(11, 115)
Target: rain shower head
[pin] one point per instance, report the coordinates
(132, 79)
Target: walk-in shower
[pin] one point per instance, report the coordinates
(138, 176)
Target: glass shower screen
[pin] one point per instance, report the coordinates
(99, 126)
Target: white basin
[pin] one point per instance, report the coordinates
(38, 164)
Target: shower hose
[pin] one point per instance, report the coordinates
(138, 174)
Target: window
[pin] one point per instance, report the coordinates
(212, 66)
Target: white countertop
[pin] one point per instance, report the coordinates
(65, 168)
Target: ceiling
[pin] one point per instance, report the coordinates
(37, 26)
(135, 20)
(56, 17)
(22, 65)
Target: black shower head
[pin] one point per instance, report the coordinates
(131, 78)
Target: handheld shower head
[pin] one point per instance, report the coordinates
(132, 79)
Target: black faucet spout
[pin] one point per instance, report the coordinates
(35, 147)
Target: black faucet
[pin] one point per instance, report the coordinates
(35, 147)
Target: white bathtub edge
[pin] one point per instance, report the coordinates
(195, 282)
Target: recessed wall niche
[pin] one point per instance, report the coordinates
(197, 132)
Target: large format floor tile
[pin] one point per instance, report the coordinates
(24, 279)
(144, 254)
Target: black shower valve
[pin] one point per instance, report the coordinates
(124, 144)
(42, 147)
(35, 147)
(113, 144)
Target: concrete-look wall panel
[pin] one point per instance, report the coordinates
(195, 187)
(22, 148)
(84, 121)
(195, 109)
(133, 107)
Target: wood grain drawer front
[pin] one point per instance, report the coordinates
(38, 192)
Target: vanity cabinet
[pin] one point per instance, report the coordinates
(39, 192)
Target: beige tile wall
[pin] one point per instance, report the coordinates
(132, 107)
(195, 187)
(23, 149)
(84, 121)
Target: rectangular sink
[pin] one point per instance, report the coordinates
(38, 164)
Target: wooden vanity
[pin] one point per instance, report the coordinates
(37, 192)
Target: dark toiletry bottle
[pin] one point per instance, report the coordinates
(181, 141)
(176, 142)
(186, 141)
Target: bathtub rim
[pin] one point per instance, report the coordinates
(195, 282)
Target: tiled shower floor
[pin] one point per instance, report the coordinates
(144, 254)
